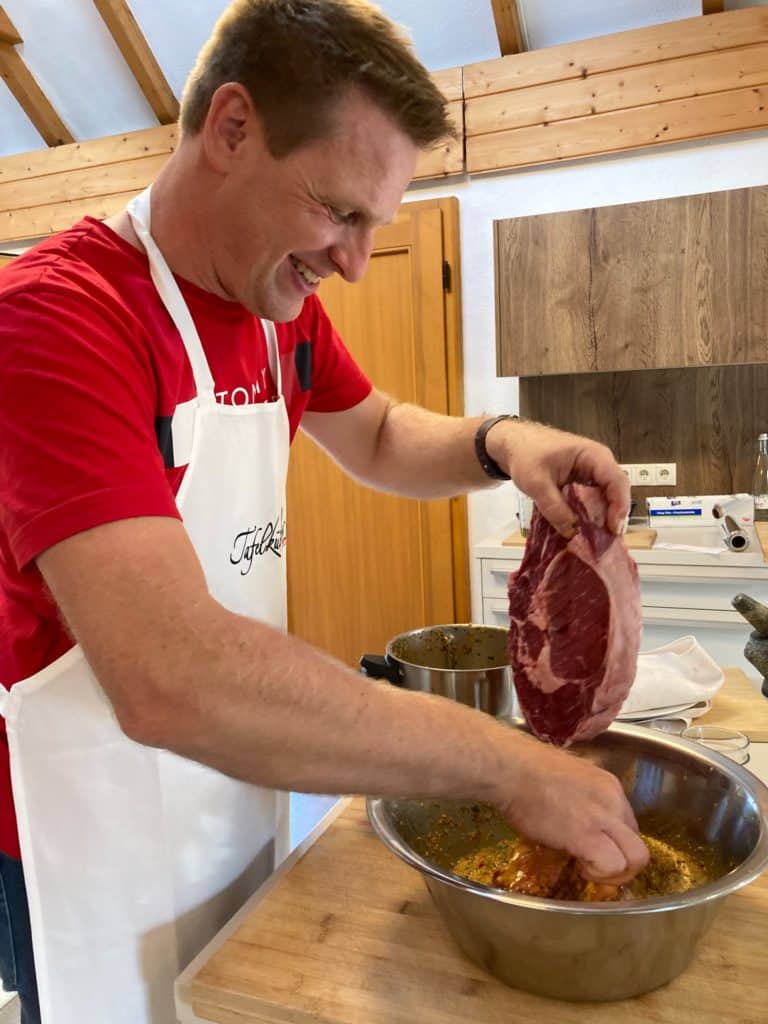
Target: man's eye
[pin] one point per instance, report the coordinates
(340, 217)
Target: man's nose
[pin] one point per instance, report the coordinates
(352, 252)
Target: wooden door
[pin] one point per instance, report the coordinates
(364, 566)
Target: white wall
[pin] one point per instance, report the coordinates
(738, 162)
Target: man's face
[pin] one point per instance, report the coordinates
(283, 225)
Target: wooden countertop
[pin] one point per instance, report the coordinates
(345, 933)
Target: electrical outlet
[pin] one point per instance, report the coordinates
(666, 474)
(651, 474)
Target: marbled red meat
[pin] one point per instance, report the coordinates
(575, 624)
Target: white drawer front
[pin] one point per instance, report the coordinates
(686, 601)
(495, 611)
(495, 576)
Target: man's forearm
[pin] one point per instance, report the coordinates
(423, 454)
(270, 709)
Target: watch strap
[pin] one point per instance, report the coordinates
(490, 467)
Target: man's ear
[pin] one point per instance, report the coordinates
(231, 128)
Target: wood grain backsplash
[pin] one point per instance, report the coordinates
(705, 419)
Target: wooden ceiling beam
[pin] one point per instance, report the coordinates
(508, 26)
(712, 6)
(28, 93)
(8, 33)
(139, 58)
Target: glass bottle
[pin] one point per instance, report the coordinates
(760, 480)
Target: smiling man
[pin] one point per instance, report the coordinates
(153, 369)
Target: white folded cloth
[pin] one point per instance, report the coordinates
(680, 672)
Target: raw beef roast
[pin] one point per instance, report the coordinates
(575, 624)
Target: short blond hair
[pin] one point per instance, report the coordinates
(296, 58)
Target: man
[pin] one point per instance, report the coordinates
(157, 704)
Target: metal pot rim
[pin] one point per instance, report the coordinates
(449, 625)
(750, 869)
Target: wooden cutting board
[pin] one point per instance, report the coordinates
(739, 705)
(349, 935)
(762, 535)
(634, 538)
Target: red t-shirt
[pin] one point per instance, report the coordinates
(93, 423)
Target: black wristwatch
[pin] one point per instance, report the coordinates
(490, 466)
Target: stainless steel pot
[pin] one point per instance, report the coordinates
(467, 663)
(595, 951)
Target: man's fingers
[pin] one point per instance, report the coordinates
(629, 818)
(597, 465)
(618, 496)
(604, 861)
(557, 511)
(614, 859)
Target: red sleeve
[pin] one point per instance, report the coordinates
(337, 381)
(77, 415)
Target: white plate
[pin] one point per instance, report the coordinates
(694, 710)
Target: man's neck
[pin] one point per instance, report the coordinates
(177, 225)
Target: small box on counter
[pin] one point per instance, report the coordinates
(697, 510)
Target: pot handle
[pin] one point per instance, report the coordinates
(380, 667)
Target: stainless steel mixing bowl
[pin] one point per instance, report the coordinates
(595, 951)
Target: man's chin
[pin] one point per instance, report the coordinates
(278, 312)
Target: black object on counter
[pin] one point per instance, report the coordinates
(756, 650)
(379, 666)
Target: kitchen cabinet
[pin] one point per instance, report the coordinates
(669, 283)
(679, 597)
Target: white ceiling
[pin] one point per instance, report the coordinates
(78, 66)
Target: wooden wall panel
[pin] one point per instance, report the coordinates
(84, 183)
(584, 57)
(45, 220)
(448, 157)
(614, 90)
(705, 419)
(109, 150)
(689, 79)
(43, 192)
(617, 131)
(673, 282)
(47, 190)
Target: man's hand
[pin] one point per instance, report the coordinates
(569, 804)
(542, 460)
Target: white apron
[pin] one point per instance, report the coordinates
(135, 857)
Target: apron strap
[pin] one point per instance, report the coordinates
(273, 354)
(169, 292)
(4, 695)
